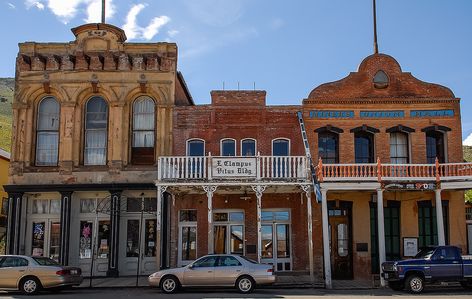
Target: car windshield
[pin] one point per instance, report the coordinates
(248, 259)
(425, 253)
(44, 261)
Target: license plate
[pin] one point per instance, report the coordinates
(74, 272)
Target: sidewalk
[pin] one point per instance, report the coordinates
(283, 281)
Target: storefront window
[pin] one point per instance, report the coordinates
(228, 232)
(103, 238)
(150, 238)
(40, 206)
(189, 243)
(87, 205)
(38, 238)
(132, 240)
(55, 206)
(85, 242)
(188, 215)
(55, 241)
(237, 241)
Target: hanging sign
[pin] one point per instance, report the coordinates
(232, 167)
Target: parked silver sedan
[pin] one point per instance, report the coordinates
(30, 274)
(224, 270)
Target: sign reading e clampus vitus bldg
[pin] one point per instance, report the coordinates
(232, 167)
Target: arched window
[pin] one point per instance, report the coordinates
(143, 143)
(195, 147)
(435, 147)
(364, 147)
(248, 147)
(47, 132)
(96, 122)
(380, 80)
(228, 147)
(280, 147)
(328, 147)
(399, 149)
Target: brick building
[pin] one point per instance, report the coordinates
(100, 124)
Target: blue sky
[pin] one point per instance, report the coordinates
(286, 47)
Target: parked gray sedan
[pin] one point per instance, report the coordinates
(224, 270)
(30, 274)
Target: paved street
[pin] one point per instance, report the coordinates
(143, 293)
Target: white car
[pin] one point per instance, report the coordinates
(218, 270)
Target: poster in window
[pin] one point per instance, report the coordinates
(410, 246)
(85, 242)
(38, 239)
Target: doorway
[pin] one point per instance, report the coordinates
(340, 233)
(276, 239)
(228, 232)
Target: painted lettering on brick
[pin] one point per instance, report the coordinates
(331, 114)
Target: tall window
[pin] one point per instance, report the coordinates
(435, 147)
(47, 132)
(228, 147)
(142, 151)
(399, 153)
(96, 121)
(248, 147)
(280, 147)
(364, 147)
(328, 147)
(195, 147)
(427, 225)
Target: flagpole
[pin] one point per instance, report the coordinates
(103, 11)
(376, 46)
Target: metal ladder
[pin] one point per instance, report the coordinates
(314, 179)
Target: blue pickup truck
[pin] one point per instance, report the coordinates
(431, 265)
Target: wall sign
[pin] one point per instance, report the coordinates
(411, 186)
(431, 113)
(382, 114)
(232, 167)
(331, 114)
(410, 246)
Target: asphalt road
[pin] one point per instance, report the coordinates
(144, 293)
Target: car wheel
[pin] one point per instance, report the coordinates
(245, 284)
(396, 285)
(30, 285)
(414, 284)
(169, 284)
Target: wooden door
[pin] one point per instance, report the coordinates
(340, 241)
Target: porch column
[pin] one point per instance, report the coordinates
(307, 190)
(326, 251)
(381, 230)
(160, 193)
(439, 218)
(259, 189)
(115, 203)
(210, 189)
(14, 222)
(65, 227)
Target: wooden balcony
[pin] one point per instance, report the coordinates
(255, 168)
(378, 172)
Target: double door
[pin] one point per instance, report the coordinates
(276, 245)
(45, 237)
(94, 246)
(138, 245)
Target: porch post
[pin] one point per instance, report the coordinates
(210, 189)
(439, 218)
(259, 189)
(14, 222)
(326, 250)
(65, 227)
(381, 231)
(307, 190)
(114, 233)
(160, 191)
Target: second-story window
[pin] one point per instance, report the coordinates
(47, 132)
(435, 147)
(96, 121)
(195, 147)
(280, 147)
(399, 148)
(364, 147)
(228, 147)
(248, 147)
(142, 149)
(328, 147)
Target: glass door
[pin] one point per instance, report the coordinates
(275, 238)
(228, 232)
(187, 250)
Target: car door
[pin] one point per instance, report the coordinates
(227, 270)
(201, 272)
(446, 265)
(12, 268)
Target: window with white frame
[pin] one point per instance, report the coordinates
(248, 147)
(228, 147)
(47, 132)
(399, 152)
(142, 150)
(96, 122)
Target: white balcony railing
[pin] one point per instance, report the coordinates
(236, 168)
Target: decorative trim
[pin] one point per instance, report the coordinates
(259, 189)
(365, 128)
(436, 128)
(400, 128)
(329, 128)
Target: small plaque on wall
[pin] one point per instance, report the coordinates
(362, 247)
(251, 249)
